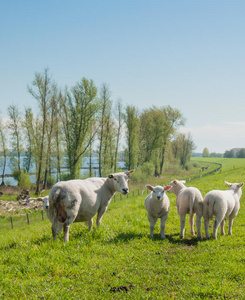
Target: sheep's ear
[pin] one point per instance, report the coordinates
(40, 199)
(168, 187)
(150, 187)
(129, 172)
(241, 184)
(110, 176)
(229, 184)
(175, 181)
(183, 181)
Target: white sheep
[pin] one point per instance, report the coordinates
(79, 200)
(157, 205)
(222, 204)
(189, 200)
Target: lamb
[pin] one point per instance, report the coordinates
(189, 200)
(79, 200)
(222, 204)
(157, 205)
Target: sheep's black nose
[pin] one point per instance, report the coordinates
(46, 207)
(125, 190)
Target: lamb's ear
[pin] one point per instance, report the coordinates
(241, 184)
(150, 187)
(110, 176)
(168, 187)
(229, 184)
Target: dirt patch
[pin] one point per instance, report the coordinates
(8, 208)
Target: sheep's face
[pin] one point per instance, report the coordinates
(45, 202)
(120, 181)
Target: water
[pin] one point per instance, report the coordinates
(84, 171)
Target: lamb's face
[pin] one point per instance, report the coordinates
(236, 187)
(158, 193)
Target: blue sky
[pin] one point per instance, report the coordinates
(187, 54)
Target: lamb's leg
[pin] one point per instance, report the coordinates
(231, 219)
(191, 221)
(206, 225)
(198, 225)
(216, 226)
(222, 227)
(182, 226)
(152, 222)
(163, 222)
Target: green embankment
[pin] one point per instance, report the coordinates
(120, 261)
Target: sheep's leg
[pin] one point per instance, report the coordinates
(216, 226)
(66, 232)
(182, 227)
(163, 222)
(222, 227)
(100, 214)
(54, 232)
(231, 219)
(90, 224)
(198, 225)
(206, 225)
(191, 221)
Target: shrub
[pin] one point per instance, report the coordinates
(24, 180)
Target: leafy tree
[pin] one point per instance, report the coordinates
(78, 108)
(205, 152)
(104, 126)
(156, 127)
(131, 120)
(241, 153)
(119, 117)
(229, 154)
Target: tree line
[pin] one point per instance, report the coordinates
(84, 121)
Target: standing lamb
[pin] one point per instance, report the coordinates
(189, 200)
(222, 204)
(157, 205)
(79, 200)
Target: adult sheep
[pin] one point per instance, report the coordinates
(157, 205)
(189, 200)
(222, 204)
(79, 200)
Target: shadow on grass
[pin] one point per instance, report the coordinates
(125, 237)
(193, 241)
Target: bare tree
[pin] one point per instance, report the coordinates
(41, 91)
(15, 126)
(4, 149)
(119, 110)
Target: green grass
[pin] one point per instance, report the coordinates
(120, 261)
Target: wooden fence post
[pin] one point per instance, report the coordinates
(42, 214)
(12, 225)
(28, 222)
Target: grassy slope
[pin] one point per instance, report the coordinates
(94, 265)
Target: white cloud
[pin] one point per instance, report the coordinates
(218, 138)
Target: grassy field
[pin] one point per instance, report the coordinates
(120, 261)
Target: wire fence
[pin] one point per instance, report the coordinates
(18, 221)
